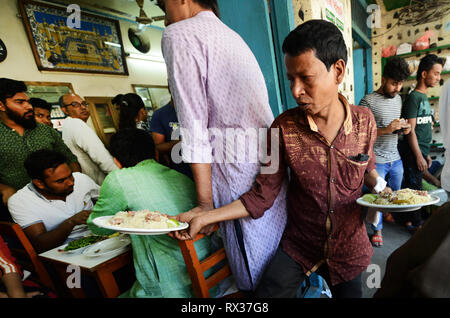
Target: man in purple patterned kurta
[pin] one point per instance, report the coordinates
(216, 84)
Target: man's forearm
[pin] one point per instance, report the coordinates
(203, 183)
(383, 131)
(370, 179)
(13, 285)
(48, 240)
(414, 144)
(166, 147)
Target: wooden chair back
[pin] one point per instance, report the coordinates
(25, 254)
(197, 268)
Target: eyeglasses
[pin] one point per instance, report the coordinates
(77, 104)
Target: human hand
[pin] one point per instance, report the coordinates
(429, 161)
(386, 190)
(80, 217)
(194, 218)
(395, 125)
(196, 224)
(406, 127)
(422, 164)
(7, 192)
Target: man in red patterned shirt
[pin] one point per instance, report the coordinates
(327, 145)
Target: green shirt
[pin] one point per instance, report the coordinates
(14, 149)
(417, 106)
(159, 265)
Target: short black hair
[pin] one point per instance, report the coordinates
(37, 162)
(320, 36)
(131, 146)
(207, 4)
(10, 87)
(130, 104)
(210, 4)
(427, 63)
(40, 103)
(397, 69)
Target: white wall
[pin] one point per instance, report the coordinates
(20, 63)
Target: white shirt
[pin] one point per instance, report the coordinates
(94, 159)
(27, 206)
(444, 120)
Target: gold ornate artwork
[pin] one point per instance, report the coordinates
(94, 46)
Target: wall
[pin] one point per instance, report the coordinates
(20, 63)
(314, 9)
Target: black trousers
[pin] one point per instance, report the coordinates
(284, 276)
(412, 179)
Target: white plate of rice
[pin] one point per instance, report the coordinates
(143, 222)
(403, 200)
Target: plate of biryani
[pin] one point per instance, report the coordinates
(403, 200)
(144, 222)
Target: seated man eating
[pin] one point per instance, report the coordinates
(143, 184)
(52, 209)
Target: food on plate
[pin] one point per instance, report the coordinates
(84, 241)
(144, 219)
(399, 197)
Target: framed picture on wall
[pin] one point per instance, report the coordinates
(94, 45)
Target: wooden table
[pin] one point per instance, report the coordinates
(100, 267)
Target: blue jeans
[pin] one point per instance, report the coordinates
(394, 172)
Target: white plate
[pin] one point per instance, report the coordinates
(78, 250)
(398, 207)
(108, 246)
(102, 221)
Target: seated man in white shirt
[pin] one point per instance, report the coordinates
(94, 159)
(53, 208)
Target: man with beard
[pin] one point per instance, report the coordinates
(20, 135)
(386, 106)
(415, 148)
(53, 208)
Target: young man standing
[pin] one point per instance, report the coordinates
(415, 147)
(328, 146)
(217, 86)
(386, 106)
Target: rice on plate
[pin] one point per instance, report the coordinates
(403, 197)
(144, 219)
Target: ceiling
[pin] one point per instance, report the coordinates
(126, 9)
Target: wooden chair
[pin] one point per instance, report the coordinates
(196, 268)
(25, 255)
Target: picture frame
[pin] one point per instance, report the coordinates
(95, 47)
